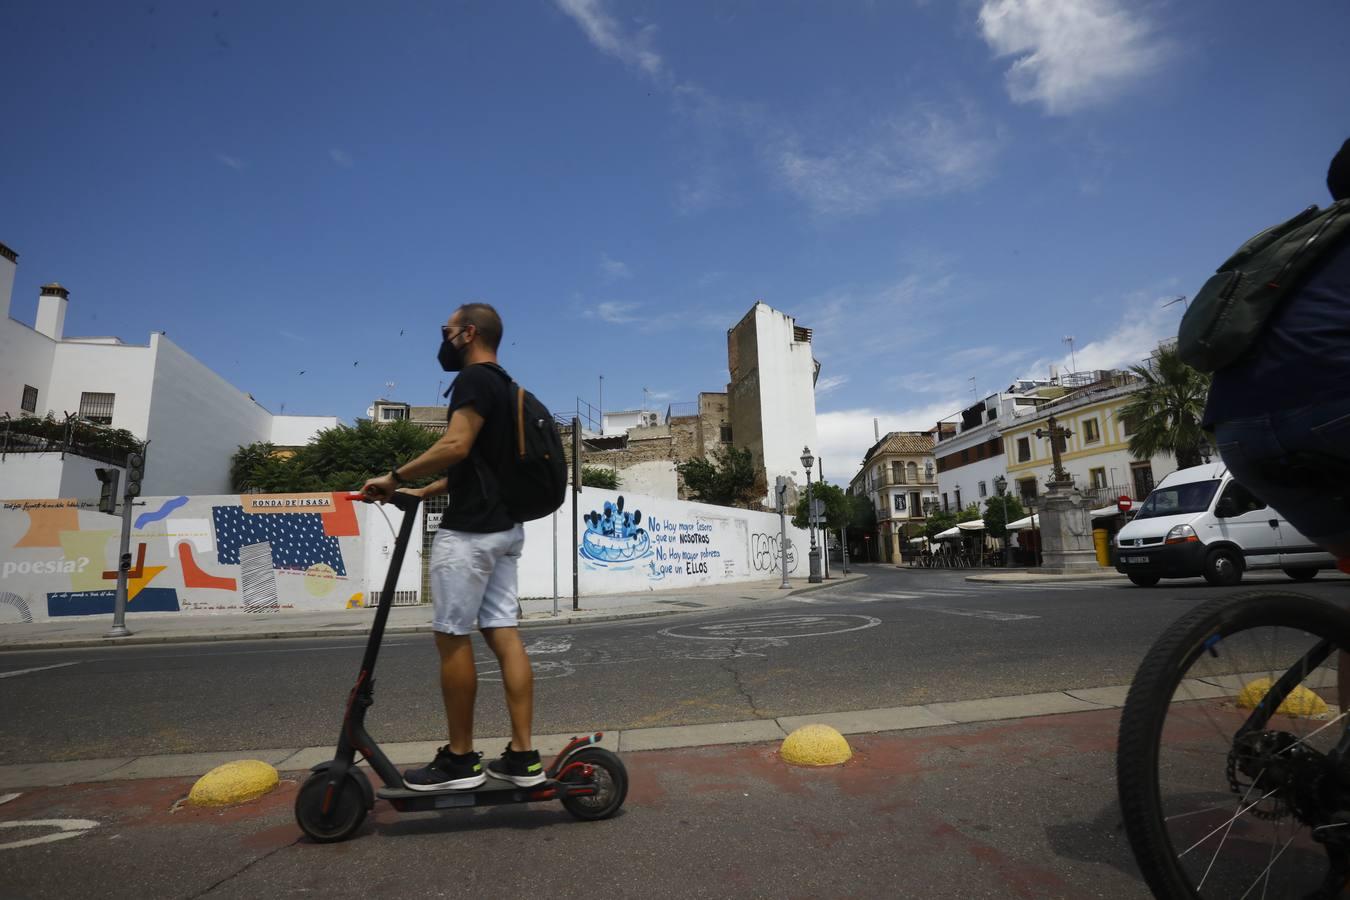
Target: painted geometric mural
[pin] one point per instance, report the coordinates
(255, 553)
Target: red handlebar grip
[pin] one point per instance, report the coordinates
(355, 496)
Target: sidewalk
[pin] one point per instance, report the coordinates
(152, 628)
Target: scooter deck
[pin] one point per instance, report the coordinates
(491, 793)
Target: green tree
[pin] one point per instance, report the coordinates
(937, 522)
(728, 479)
(838, 506)
(337, 459)
(1164, 415)
(596, 477)
(115, 443)
(969, 514)
(999, 511)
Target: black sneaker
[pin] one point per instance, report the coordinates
(522, 769)
(447, 772)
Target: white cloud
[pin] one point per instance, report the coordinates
(613, 269)
(632, 47)
(1144, 323)
(614, 313)
(1070, 54)
(843, 436)
(830, 383)
(924, 152)
(232, 162)
(341, 157)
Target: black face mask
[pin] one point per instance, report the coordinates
(450, 357)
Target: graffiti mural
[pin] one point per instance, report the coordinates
(256, 554)
(614, 537)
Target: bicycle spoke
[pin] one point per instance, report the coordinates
(1266, 871)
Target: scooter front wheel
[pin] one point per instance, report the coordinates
(611, 785)
(328, 815)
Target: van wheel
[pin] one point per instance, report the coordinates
(1223, 568)
(1301, 574)
(1145, 580)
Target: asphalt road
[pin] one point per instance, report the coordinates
(895, 638)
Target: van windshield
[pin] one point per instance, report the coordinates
(1178, 499)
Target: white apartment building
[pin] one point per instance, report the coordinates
(969, 450)
(194, 418)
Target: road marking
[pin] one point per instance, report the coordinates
(808, 600)
(39, 669)
(976, 613)
(68, 828)
(774, 628)
(877, 598)
(560, 644)
(5, 798)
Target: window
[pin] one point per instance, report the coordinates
(392, 413)
(945, 506)
(97, 408)
(1026, 487)
(1191, 497)
(29, 399)
(1143, 479)
(726, 433)
(1098, 477)
(1125, 428)
(959, 507)
(897, 473)
(1024, 449)
(1239, 501)
(984, 491)
(1091, 433)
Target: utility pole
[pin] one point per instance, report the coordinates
(576, 494)
(782, 530)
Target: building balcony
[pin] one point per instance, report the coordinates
(890, 479)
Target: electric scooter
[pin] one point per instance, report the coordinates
(590, 781)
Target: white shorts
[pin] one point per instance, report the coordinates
(473, 580)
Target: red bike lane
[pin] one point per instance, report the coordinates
(1018, 808)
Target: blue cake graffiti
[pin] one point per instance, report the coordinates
(614, 536)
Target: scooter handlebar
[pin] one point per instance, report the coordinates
(399, 500)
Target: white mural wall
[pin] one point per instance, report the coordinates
(267, 553)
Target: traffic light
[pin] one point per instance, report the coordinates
(107, 498)
(135, 472)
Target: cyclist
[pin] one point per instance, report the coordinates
(1281, 415)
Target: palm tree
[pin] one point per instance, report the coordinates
(1164, 415)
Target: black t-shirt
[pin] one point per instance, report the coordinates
(471, 488)
(1302, 357)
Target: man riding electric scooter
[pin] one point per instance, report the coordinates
(473, 557)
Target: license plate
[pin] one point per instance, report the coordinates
(1134, 559)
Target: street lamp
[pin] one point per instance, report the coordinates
(1001, 486)
(782, 530)
(807, 462)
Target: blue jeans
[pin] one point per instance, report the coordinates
(1298, 461)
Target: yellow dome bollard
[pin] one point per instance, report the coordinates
(815, 745)
(235, 782)
(1301, 702)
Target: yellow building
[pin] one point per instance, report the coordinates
(1096, 454)
(899, 477)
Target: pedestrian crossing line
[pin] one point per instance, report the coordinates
(877, 598)
(994, 615)
(808, 600)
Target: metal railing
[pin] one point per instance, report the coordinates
(889, 479)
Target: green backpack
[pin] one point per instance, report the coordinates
(1232, 308)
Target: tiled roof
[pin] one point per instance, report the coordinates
(903, 442)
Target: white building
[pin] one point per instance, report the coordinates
(969, 451)
(618, 422)
(193, 418)
(772, 395)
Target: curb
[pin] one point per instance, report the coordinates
(1045, 579)
(749, 731)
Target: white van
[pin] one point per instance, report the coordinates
(1199, 521)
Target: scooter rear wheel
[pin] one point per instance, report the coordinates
(611, 785)
(347, 811)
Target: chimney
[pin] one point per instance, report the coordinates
(51, 314)
(876, 430)
(9, 264)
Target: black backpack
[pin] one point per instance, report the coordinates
(532, 480)
(1231, 310)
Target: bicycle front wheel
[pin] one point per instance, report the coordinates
(1222, 759)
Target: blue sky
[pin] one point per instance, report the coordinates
(942, 190)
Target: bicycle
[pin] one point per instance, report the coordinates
(1233, 761)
